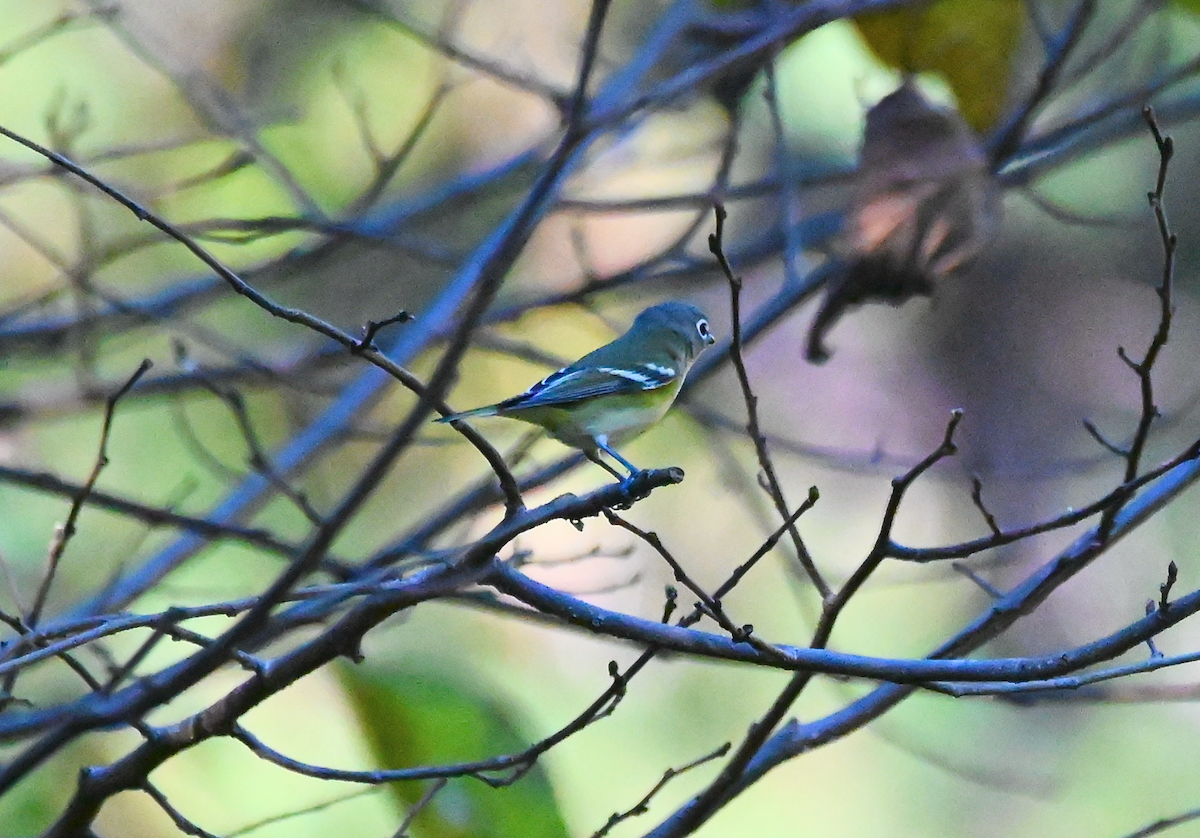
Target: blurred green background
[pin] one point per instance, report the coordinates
(164, 99)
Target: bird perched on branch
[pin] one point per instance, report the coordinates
(616, 391)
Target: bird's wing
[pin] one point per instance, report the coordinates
(573, 384)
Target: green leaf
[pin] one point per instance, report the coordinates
(414, 716)
(970, 43)
(32, 805)
(1192, 6)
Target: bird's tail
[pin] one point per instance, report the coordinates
(490, 410)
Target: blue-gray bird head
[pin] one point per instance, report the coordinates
(684, 320)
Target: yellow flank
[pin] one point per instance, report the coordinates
(616, 416)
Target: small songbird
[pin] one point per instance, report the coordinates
(616, 391)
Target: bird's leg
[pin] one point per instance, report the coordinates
(594, 456)
(634, 471)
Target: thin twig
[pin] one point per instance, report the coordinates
(981, 583)
(64, 533)
(756, 737)
(717, 248)
(1104, 441)
(307, 810)
(1008, 137)
(708, 604)
(1144, 369)
(1067, 519)
(420, 806)
(182, 823)
(1164, 590)
(576, 111)
(643, 805)
(154, 516)
(291, 315)
(1163, 824)
(977, 499)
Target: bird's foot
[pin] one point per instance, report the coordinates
(638, 484)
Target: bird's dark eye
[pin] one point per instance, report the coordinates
(702, 328)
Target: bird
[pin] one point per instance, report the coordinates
(925, 205)
(616, 391)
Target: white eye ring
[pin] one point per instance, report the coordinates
(702, 329)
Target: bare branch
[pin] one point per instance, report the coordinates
(643, 805)
(64, 534)
(716, 247)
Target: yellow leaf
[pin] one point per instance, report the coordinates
(971, 43)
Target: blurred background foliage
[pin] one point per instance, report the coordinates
(260, 125)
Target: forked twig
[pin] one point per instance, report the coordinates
(716, 246)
